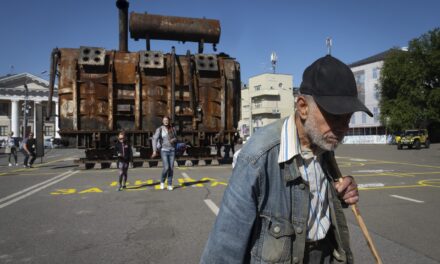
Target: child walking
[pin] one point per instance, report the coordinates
(125, 156)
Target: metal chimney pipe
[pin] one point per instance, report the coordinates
(123, 24)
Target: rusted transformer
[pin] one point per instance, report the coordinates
(102, 92)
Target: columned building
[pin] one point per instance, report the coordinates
(19, 90)
(267, 98)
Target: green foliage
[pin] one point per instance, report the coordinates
(410, 84)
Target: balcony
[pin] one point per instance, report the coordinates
(261, 93)
(265, 110)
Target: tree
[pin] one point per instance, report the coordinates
(410, 84)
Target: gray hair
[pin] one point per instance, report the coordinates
(309, 99)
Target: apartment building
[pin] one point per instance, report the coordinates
(363, 128)
(267, 98)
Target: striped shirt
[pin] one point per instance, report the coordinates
(311, 171)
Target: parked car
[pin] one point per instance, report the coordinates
(48, 143)
(414, 138)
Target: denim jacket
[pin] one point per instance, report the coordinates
(264, 212)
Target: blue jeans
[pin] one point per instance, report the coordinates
(168, 165)
(123, 169)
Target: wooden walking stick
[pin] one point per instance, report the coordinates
(357, 214)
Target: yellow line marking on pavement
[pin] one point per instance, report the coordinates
(382, 174)
(64, 191)
(398, 174)
(423, 183)
(391, 187)
(350, 164)
(430, 183)
(373, 161)
(31, 169)
(91, 190)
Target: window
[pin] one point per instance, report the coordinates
(353, 119)
(376, 114)
(257, 87)
(377, 91)
(3, 130)
(48, 131)
(4, 109)
(364, 118)
(360, 83)
(376, 72)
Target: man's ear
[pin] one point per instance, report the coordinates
(302, 107)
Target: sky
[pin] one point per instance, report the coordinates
(295, 30)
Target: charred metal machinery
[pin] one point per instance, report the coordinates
(102, 92)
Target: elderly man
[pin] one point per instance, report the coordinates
(283, 203)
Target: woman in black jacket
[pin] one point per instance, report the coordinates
(125, 155)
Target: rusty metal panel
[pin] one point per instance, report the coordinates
(110, 94)
(93, 101)
(210, 90)
(125, 67)
(229, 70)
(68, 70)
(138, 103)
(155, 98)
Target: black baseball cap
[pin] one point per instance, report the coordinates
(332, 85)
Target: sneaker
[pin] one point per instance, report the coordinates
(170, 187)
(162, 186)
(120, 188)
(16, 164)
(30, 166)
(10, 164)
(25, 166)
(124, 187)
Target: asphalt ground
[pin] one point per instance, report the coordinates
(59, 213)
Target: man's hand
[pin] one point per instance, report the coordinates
(154, 154)
(347, 189)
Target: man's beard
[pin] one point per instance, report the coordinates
(318, 139)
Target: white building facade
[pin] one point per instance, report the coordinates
(267, 98)
(13, 96)
(363, 128)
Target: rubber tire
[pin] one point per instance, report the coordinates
(89, 166)
(105, 165)
(416, 144)
(427, 143)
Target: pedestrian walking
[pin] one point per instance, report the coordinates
(29, 150)
(11, 149)
(283, 203)
(164, 140)
(125, 155)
